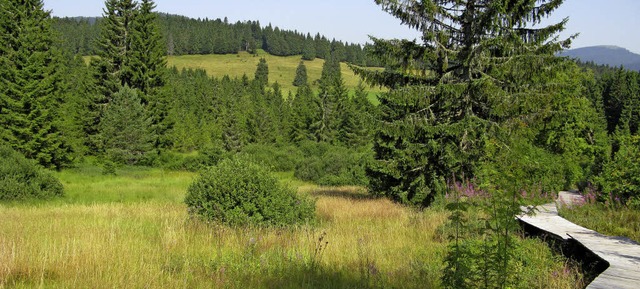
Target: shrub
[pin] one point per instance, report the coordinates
(239, 192)
(277, 158)
(329, 165)
(22, 179)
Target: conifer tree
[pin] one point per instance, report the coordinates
(301, 75)
(113, 67)
(124, 128)
(148, 62)
(30, 84)
(331, 100)
(447, 90)
(262, 73)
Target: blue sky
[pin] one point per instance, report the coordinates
(599, 22)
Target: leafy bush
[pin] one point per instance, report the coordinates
(239, 192)
(278, 158)
(330, 165)
(191, 162)
(22, 179)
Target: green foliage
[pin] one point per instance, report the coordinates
(125, 128)
(30, 84)
(621, 176)
(331, 165)
(262, 73)
(281, 158)
(22, 179)
(239, 192)
(301, 75)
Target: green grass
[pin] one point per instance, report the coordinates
(281, 69)
(133, 231)
(609, 220)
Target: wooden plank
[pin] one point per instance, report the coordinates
(622, 254)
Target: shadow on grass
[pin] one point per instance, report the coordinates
(351, 193)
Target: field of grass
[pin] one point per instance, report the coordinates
(609, 220)
(281, 69)
(133, 231)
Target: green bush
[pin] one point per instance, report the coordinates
(22, 179)
(278, 158)
(329, 165)
(239, 192)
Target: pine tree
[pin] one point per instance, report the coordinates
(331, 99)
(262, 73)
(301, 75)
(125, 128)
(31, 84)
(113, 67)
(309, 50)
(447, 90)
(148, 62)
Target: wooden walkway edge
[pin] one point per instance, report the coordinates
(622, 254)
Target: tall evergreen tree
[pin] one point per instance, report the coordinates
(30, 83)
(262, 73)
(148, 62)
(113, 67)
(447, 91)
(125, 128)
(301, 75)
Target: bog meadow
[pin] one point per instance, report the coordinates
(149, 150)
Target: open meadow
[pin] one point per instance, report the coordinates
(282, 69)
(133, 231)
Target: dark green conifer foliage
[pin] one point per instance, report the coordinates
(113, 67)
(262, 73)
(309, 50)
(30, 84)
(459, 78)
(301, 75)
(148, 62)
(331, 98)
(125, 128)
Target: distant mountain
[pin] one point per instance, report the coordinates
(606, 55)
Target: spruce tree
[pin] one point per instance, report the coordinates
(125, 128)
(262, 73)
(451, 89)
(30, 84)
(113, 67)
(148, 62)
(301, 75)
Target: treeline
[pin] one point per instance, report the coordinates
(184, 36)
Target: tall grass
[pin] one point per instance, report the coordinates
(609, 219)
(132, 231)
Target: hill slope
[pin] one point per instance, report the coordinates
(606, 55)
(282, 69)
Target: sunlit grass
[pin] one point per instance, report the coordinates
(133, 231)
(609, 220)
(281, 69)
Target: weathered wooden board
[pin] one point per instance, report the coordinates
(622, 254)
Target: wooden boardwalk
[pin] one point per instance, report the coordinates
(622, 254)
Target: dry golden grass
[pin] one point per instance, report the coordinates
(358, 242)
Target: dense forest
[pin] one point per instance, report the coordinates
(183, 36)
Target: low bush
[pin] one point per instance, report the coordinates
(329, 165)
(240, 192)
(22, 179)
(277, 158)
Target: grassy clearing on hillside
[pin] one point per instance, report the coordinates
(281, 69)
(133, 231)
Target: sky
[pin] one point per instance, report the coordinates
(599, 22)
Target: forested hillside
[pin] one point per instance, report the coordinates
(186, 36)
